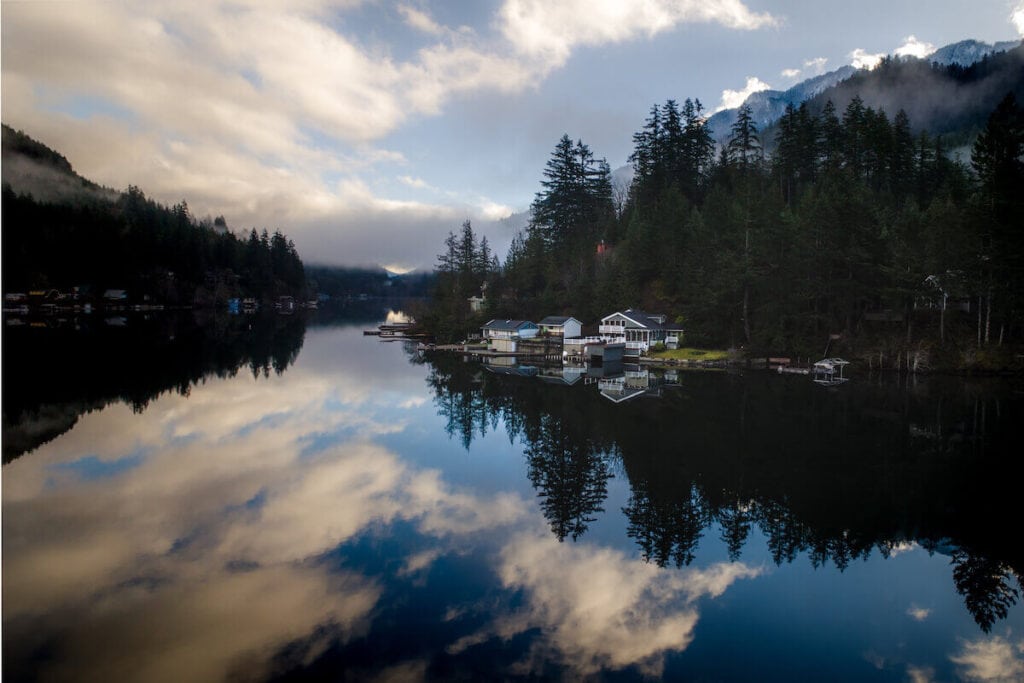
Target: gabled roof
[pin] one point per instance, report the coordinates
(646, 320)
(509, 325)
(553, 320)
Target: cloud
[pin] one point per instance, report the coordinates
(1017, 19)
(252, 110)
(816, 66)
(219, 557)
(918, 613)
(917, 674)
(416, 183)
(270, 113)
(861, 59)
(912, 47)
(420, 20)
(993, 659)
(596, 608)
(551, 31)
(734, 98)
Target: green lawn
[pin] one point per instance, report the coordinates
(692, 354)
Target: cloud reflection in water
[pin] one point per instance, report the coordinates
(207, 556)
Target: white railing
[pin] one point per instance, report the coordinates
(611, 329)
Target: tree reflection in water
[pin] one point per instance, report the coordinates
(832, 476)
(52, 375)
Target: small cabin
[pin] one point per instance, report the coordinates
(504, 335)
(560, 326)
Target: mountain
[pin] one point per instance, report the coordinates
(953, 101)
(967, 52)
(767, 106)
(62, 231)
(32, 168)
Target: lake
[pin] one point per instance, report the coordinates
(292, 500)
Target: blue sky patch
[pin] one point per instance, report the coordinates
(92, 468)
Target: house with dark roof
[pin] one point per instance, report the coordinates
(504, 335)
(638, 330)
(560, 326)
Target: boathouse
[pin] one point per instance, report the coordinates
(503, 336)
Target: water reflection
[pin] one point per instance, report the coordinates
(52, 375)
(358, 517)
(832, 478)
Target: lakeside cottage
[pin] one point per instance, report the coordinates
(638, 330)
(561, 326)
(504, 335)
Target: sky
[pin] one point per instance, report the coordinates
(367, 130)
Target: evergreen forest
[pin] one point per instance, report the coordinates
(95, 240)
(853, 222)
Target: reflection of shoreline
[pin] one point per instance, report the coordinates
(832, 480)
(54, 374)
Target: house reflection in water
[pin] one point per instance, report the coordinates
(634, 381)
(616, 381)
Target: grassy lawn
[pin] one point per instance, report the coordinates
(692, 354)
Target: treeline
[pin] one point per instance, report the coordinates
(854, 216)
(353, 282)
(466, 268)
(155, 252)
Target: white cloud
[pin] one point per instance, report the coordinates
(918, 613)
(912, 47)
(417, 183)
(817, 65)
(734, 98)
(993, 659)
(861, 59)
(493, 211)
(918, 674)
(551, 30)
(1017, 19)
(598, 608)
(221, 579)
(420, 20)
(265, 112)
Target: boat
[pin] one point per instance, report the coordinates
(829, 372)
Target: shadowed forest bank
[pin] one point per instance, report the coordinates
(846, 221)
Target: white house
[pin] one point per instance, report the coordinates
(636, 329)
(561, 326)
(503, 335)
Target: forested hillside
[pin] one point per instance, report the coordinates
(858, 223)
(77, 234)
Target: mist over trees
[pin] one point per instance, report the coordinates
(81, 235)
(827, 223)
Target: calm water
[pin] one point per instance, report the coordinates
(283, 502)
